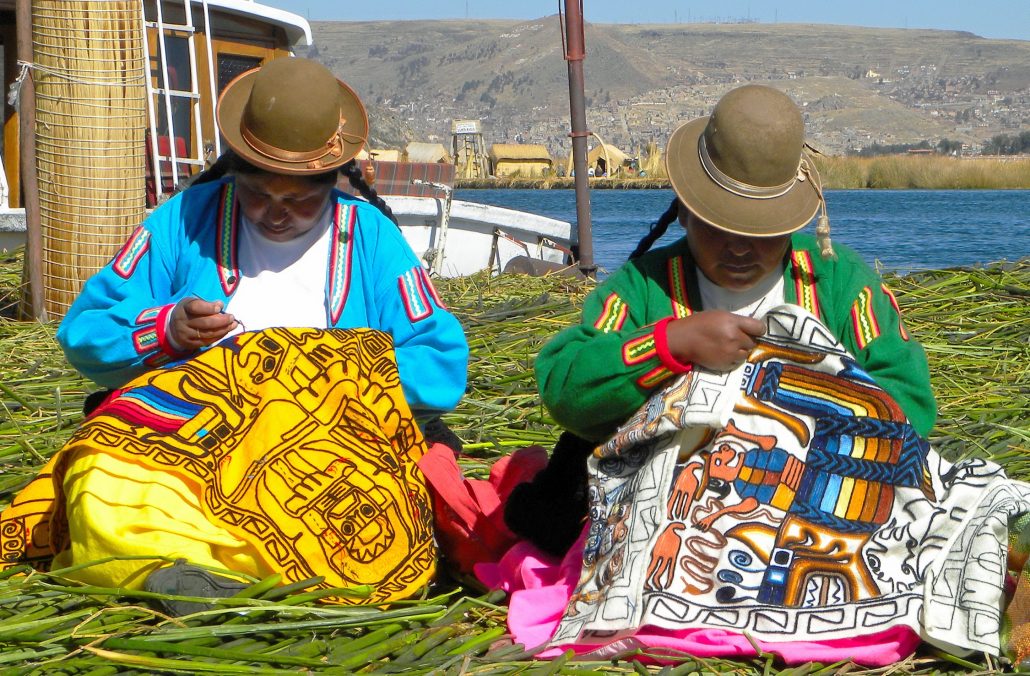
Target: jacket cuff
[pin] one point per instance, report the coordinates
(164, 338)
(661, 344)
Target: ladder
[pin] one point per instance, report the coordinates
(165, 162)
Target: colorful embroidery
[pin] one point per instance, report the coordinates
(145, 339)
(151, 407)
(340, 252)
(414, 296)
(149, 316)
(639, 350)
(678, 289)
(349, 438)
(428, 284)
(613, 314)
(228, 227)
(894, 302)
(132, 253)
(803, 273)
(654, 377)
(789, 511)
(863, 320)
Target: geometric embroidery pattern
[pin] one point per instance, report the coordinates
(803, 274)
(132, 252)
(897, 308)
(638, 350)
(678, 288)
(787, 500)
(416, 300)
(613, 314)
(863, 320)
(226, 239)
(301, 442)
(340, 252)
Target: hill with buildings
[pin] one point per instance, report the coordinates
(857, 86)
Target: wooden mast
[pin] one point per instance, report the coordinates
(574, 43)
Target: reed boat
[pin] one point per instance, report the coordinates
(125, 124)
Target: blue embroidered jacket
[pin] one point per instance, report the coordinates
(114, 330)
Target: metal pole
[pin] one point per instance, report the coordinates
(575, 51)
(27, 150)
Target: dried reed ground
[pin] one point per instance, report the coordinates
(973, 324)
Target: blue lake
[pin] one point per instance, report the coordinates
(902, 230)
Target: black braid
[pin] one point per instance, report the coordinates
(357, 179)
(658, 229)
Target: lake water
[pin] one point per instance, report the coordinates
(902, 229)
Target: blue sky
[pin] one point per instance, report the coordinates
(989, 18)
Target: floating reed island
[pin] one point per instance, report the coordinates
(973, 323)
(903, 172)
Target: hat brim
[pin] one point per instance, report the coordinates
(229, 112)
(729, 211)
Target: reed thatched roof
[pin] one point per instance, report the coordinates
(427, 152)
(614, 156)
(500, 152)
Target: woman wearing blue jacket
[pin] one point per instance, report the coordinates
(272, 345)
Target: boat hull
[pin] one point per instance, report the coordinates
(477, 236)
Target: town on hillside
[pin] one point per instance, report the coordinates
(862, 89)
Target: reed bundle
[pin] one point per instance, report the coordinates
(920, 172)
(89, 75)
(971, 321)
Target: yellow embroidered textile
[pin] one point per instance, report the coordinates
(298, 443)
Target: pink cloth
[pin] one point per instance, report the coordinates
(540, 587)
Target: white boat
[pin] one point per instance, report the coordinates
(475, 237)
(193, 49)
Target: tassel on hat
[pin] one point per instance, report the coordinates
(822, 228)
(822, 234)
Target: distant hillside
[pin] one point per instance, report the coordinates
(858, 86)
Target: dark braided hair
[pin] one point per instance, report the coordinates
(658, 229)
(231, 163)
(357, 180)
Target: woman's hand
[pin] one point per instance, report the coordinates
(196, 323)
(715, 339)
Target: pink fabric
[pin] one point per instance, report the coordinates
(540, 587)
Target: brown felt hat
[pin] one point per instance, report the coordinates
(744, 168)
(292, 116)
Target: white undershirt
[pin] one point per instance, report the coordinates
(753, 302)
(281, 283)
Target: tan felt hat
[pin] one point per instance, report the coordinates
(292, 116)
(744, 168)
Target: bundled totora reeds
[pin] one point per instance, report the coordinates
(973, 323)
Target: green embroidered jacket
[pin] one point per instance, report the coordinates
(594, 376)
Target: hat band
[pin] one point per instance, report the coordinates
(739, 187)
(333, 146)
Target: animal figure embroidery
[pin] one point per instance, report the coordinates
(860, 449)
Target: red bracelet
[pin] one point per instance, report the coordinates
(661, 344)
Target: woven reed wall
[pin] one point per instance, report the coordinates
(90, 122)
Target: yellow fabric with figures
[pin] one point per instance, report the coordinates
(285, 450)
